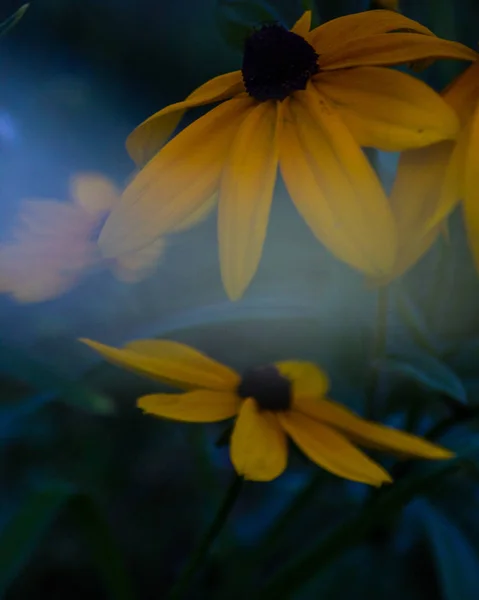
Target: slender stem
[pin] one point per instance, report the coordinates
(209, 537)
(379, 349)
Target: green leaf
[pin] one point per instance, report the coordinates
(427, 371)
(13, 19)
(388, 503)
(22, 533)
(236, 19)
(17, 365)
(411, 317)
(457, 562)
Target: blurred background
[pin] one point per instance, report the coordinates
(98, 499)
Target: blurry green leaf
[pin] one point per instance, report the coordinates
(465, 358)
(426, 370)
(17, 365)
(13, 19)
(387, 503)
(22, 533)
(236, 19)
(457, 562)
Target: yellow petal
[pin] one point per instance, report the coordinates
(371, 435)
(303, 24)
(308, 379)
(176, 183)
(471, 187)
(245, 196)
(145, 141)
(333, 34)
(199, 406)
(463, 92)
(387, 109)
(200, 214)
(258, 445)
(393, 49)
(452, 188)
(334, 187)
(170, 362)
(137, 265)
(331, 450)
(94, 193)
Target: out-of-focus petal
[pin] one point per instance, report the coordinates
(94, 193)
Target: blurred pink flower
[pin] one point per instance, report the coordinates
(54, 243)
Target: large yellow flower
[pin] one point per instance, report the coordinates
(270, 403)
(306, 101)
(431, 181)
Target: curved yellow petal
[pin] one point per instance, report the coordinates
(176, 183)
(94, 193)
(134, 266)
(198, 406)
(333, 34)
(147, 139)
(471, 187)
(334, 187)
(463, 92)
(393, 49)
(452, 189)
(369, 434)
(245, 197)
(258, 447)
(171, 362)
(331, 450)
(200, 214)
(308, 379)
(387, 109)
(303, 24)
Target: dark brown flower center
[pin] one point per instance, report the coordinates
(277, 62)
(268, 387)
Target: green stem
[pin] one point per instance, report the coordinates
(379, 348)
(211, 534)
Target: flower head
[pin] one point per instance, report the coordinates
(269, 403)
(54, 243)
(431, 181)
(304, 102)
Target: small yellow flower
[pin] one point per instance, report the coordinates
(55, 243)
(304, 101)
(431, 181)
(271, 402)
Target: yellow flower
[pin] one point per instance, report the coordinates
(271, 402)
(55, 243)
(431, 181)
(304, 101)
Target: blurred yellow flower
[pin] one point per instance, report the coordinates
(55, 242)
(271, 402)
(304, 101)
(431, 181)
